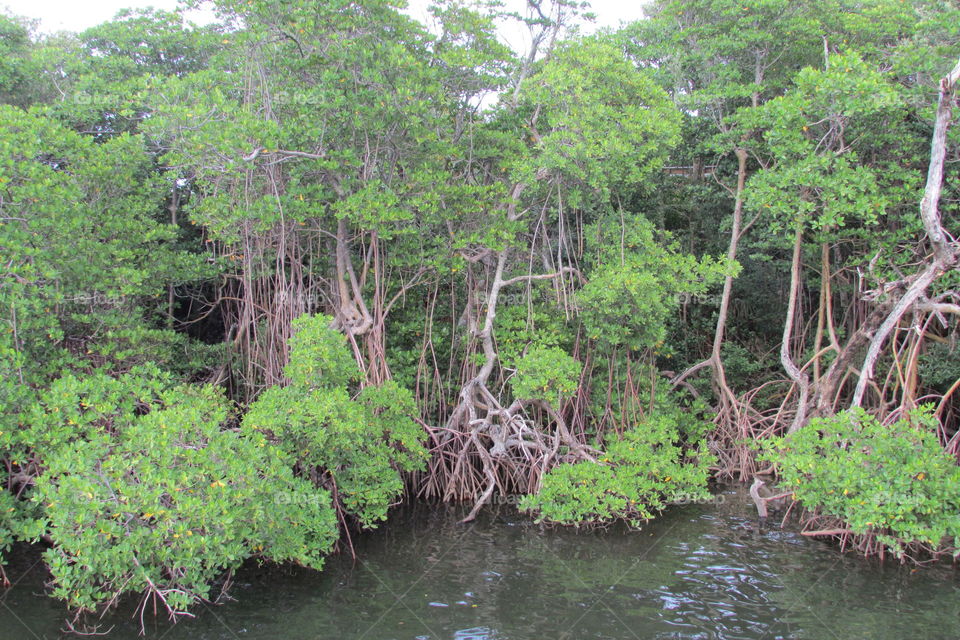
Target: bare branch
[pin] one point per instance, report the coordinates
(945, 254)
(541, 276)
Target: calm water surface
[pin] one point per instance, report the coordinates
(699, 571)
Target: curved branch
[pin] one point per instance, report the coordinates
(945, 253)
(542, 276)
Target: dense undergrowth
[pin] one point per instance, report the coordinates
(891, 486)
(662, 460)
(153, 487)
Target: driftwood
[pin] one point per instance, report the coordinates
(758, 499)
(762, 495)
(826, 532)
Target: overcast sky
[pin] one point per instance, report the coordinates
(76, 15)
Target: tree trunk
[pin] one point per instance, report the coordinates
(799, 377)
(944, 250)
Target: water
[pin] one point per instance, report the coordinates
(699, 571)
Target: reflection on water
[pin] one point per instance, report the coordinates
(697, 572)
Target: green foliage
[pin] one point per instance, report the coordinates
(7, 508)
(15, 60)
(940, 368)
(148, 42)
(125, 348)
(650, 466)
(893, 481)
(622, 306)
(155, 173)
(716, 55)
(86, 257)
(356, 446)
(819, 177)
(604, 123)
(637, 282)
(523, 325)
(319, 356)
(546, 373)
(75, 408)
(100, 80)
(143, 490)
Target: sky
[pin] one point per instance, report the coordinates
(76, 15)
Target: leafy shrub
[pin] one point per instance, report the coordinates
(623, 306)
(641, 472)
(143, 490)
(77, 408)
(892, 481)
(522, 325)
(636, 280)
(319, 357)
(546, 373)
(940, 366)
(356, 446)
(124, 348)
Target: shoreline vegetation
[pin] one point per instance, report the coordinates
(265, 278)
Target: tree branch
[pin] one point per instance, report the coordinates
(945, 254)
(542, 276)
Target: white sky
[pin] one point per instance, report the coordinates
(76, 15)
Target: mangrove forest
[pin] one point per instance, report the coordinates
(268, 275)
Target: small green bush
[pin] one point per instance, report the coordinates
(319, 357)
(356, 446)
(147, 492)
(638, 277)
(546, 373)
(647, 468)
(891, 481)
